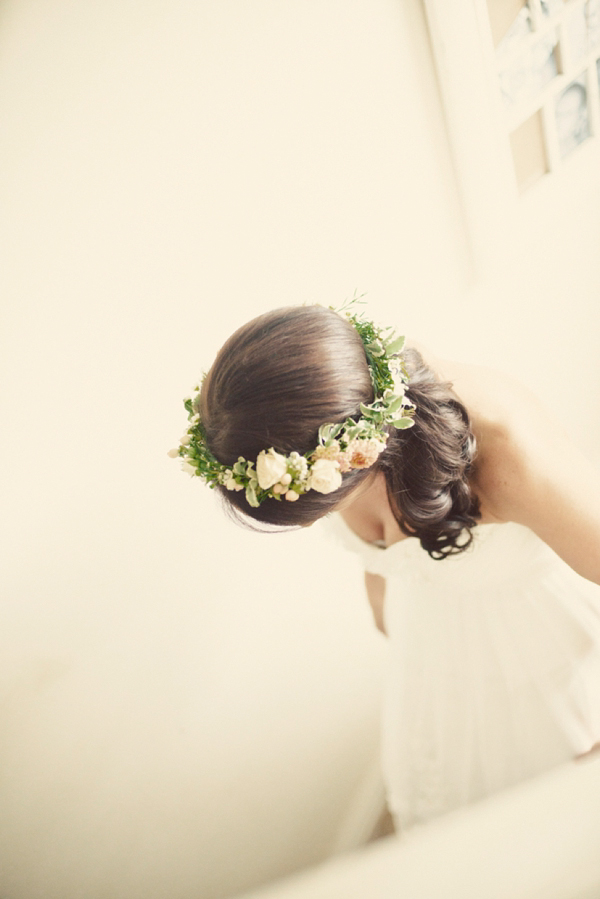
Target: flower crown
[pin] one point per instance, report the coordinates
(342, 447)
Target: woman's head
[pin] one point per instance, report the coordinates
(274, 383)
(287, 373)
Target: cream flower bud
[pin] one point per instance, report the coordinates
(278, 488)
(185, 466)
(185, 440)
(325, 476)
(285, 480)
(173, 453)
(292, 496)
(270, 468)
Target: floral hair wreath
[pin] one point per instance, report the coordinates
(342, 447)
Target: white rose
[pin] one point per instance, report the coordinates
(325, 476)
(270, 468)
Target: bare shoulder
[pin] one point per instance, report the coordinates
(509, 422)
(495, 399)
(528, 470)
(515, 436)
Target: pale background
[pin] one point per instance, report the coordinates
(187, 709)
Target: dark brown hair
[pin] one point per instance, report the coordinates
(284, 374)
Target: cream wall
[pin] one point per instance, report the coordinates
(189, 709)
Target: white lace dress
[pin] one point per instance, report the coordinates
(494, 667)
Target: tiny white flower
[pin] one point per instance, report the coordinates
(325, 476)
(270, 468)
(173, 453)
(195, 419)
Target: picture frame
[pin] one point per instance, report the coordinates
(519, 81)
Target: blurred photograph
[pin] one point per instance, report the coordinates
(524, 69)
(572, 120)
(592, 10)
(583, 29)
(550, 7)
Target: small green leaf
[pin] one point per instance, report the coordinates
(326, 434)
(351, 433)
(402, 423)
(395, 346)
(395, 404)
